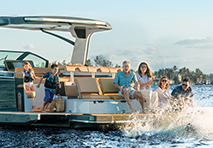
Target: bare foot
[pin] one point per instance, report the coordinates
(133, 110)
(143, 112)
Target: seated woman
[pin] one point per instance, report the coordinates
(163, 93)
(144, 76)
(29, 77)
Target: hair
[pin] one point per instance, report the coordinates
(186, 80)
(53, 66)
(148, 71)
(167, 83)
(126, 62)
(27, 63)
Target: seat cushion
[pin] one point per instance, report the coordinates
(87, 85)
(107, 86)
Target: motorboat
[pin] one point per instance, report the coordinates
(89, 96)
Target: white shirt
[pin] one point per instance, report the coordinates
(143, 80)
(163, 97)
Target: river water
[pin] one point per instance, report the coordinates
(192, 128)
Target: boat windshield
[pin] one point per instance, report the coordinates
(16, 58)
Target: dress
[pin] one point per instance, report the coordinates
(143, 80)
(163, 97)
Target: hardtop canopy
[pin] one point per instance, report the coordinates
(80, 28)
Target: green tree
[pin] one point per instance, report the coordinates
(89, 62)
(100, 60)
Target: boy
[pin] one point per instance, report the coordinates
(52, 80)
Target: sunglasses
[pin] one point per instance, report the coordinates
(143, 66)
(184, 85)
(164, 80)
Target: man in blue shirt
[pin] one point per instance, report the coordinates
(124, 82)
(182, 96)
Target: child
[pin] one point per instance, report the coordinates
(29, 76)
(52, 80)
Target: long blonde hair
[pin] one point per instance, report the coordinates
(167, 82)
(148, 71)
(27, 63)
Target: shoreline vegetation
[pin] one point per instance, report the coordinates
(175, 74)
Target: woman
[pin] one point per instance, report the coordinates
(29, 76)
(144, 76)
(163, 92)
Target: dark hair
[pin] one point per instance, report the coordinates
(167, 84)
(148, 71)
(53, 66)
(186, 80)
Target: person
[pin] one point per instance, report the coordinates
(52, 80)
(144, 76)
(182, 96)
(29, 76)
(123, 82)
(163, 93)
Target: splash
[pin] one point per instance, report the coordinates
(191, 122)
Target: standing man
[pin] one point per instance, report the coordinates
(182, 96)
(123, 81)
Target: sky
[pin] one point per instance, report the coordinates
(162, 33)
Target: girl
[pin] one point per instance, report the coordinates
(29, 76)
(144, 76)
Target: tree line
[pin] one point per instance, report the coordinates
(177, 75)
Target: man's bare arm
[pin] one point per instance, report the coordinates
(117, 86)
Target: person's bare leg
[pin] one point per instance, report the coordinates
(126, 96)
(33, 89)
(46, 105)
(27, 88)
(43, 106)
(137, 94)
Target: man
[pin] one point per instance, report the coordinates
(182, 96)
(123, 81)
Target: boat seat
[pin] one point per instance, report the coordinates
(39, 72)
(71, 91)
(88, 89)
(108, 88)
(31, 94)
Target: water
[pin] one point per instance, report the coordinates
(192, 128)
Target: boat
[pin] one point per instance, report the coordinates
(89, 96)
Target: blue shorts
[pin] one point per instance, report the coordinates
(49, 94)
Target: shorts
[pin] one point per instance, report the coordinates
(130, 91)
(30, 84)
(49, 94)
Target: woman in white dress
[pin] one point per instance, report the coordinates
(144, 76)
(163, 93)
